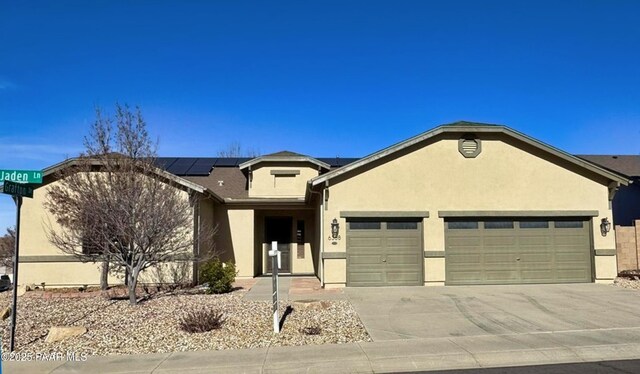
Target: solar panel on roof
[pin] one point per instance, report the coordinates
(164, 162)
(243, 160)
(181, 166)
(227, 161)
(202, 166)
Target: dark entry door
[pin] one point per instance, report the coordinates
(279, 229)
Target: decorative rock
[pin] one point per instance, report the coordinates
(310, 305)
(57, 334)
(6, 313)
(30, 287)
(22, 289)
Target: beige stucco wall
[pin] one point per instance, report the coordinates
(437, 177)
(34, 224)
(235, 238)
(263, 184)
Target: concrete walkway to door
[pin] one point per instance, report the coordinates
(588, 310)
(289, 287)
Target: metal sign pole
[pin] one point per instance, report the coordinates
(14, 307)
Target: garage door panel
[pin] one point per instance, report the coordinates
(499, 241)
(534, 251)
(402, 259)
(364, 277)
(494, 276)
(367, 242)
(467, 258)
(403, 277)
(365, 259)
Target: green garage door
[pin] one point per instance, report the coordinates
(384, 253)
(517, 251)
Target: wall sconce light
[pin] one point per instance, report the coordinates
(335, 229)
(605, 226)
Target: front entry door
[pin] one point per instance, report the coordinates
(279, 229)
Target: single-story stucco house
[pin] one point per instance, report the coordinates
(461, 204)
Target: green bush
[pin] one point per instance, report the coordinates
(220, 276)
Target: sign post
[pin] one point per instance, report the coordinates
(14, 183)
(274, 253)
(14, 310)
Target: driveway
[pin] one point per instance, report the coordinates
(392, 313)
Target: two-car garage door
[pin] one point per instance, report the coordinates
(389, 252)
(517, 251)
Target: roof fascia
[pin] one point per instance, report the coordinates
(466, 129)
(258, 160)
(51, 170)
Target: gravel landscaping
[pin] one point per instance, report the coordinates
(627, 283)
(115, 327)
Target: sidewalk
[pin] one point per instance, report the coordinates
(446, 352)
(373, 357)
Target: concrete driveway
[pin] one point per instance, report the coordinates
(392, 313)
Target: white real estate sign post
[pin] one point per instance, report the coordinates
(274, 253)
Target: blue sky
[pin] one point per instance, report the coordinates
(325, 78)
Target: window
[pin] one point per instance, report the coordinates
(569, 224)
(462, 225)
(498, 224)
(534, 224)
(402, 225)
(364, 225)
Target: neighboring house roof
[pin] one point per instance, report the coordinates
(628, 165)
(51, 170)
(463, 127)
(285, 156)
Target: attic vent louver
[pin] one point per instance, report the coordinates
(469, 146)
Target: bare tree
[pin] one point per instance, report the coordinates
(114, 205)
(234, 149)
(7, 247)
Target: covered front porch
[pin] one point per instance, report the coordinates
(295, 232)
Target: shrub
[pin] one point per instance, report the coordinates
(220, 276)
(201, 321)
(630, 274)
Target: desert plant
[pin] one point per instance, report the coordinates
(201, 320)
(219, 275)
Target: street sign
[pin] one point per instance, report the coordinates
(17, 189)
(21, 176)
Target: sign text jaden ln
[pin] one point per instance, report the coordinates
(21, 176)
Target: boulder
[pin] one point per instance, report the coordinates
(310, 304)
(5, 313)
(63, 332)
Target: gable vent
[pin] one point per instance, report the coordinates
(469, 146)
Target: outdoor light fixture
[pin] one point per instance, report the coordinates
(605, 226)
(335, 229)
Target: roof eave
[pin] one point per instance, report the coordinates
(258, 160)
(465, 129)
